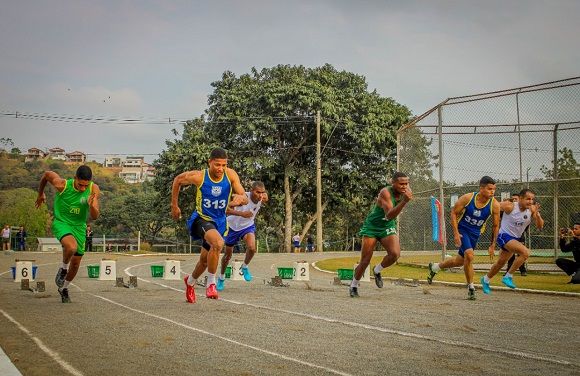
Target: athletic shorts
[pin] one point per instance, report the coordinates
(503, 239)
(468, 241)
(198, 227)
(235, 236)
(62, 229)
(379, 233)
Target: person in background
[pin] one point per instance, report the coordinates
(6, 238)
(572, 268)
(89, 239)
(21, 236)
(296, 241)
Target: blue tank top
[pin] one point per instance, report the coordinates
(473, 218)
(212, 197)
(211, 201)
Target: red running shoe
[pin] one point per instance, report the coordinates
(189, 291)
(211, 292)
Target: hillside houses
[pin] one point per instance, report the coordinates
(35, 154)
(132, 169)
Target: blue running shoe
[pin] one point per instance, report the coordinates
(220, 284)
(485, 286)
(247, 275)
(508, 281)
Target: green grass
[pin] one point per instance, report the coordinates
(413, 267)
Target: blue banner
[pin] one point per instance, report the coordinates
(436, 219)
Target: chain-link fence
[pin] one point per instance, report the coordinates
(526, 137)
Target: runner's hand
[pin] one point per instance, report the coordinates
(491, 251)
(176, 213)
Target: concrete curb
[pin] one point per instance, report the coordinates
(7, 368)
(457, 284)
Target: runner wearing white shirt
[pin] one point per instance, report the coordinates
(517, 216)
(242, 227)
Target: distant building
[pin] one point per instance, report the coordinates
(132, 169)
(49, 244)
(150, 173)
(76, 157)
(113, 161)
(35, 154)
(57, 154)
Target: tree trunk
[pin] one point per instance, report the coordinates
(312, 219)
(287, 214)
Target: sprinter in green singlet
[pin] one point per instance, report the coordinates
(381, 225)
(75, 199)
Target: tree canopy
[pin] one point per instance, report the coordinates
(266, 119)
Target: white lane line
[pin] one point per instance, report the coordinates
(391, 331)
(224, 338)
(53, 354)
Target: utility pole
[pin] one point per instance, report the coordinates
(318, 187)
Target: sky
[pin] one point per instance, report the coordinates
(156, 60)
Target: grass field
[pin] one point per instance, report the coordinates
(414, 267)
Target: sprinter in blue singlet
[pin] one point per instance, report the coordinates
(468, 219)
(208, 221)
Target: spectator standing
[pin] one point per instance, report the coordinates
(296, 241)
(21, 236)
(572, 268)
(89, 239)
(309, 243)
(6, 238)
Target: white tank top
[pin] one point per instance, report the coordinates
(237, 222)
(515, 223)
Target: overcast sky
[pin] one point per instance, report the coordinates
(157, 59)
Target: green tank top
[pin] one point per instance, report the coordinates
(72, 206)
(377, 217)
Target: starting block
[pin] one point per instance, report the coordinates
(108, 270)
(277, 282)
(301, 271)
(172, 269)
(25, 285)
(237, 274)
(200, 283)
(366, 277)
(24, 270)
(132, 282)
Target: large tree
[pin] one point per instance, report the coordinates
(266, 120)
